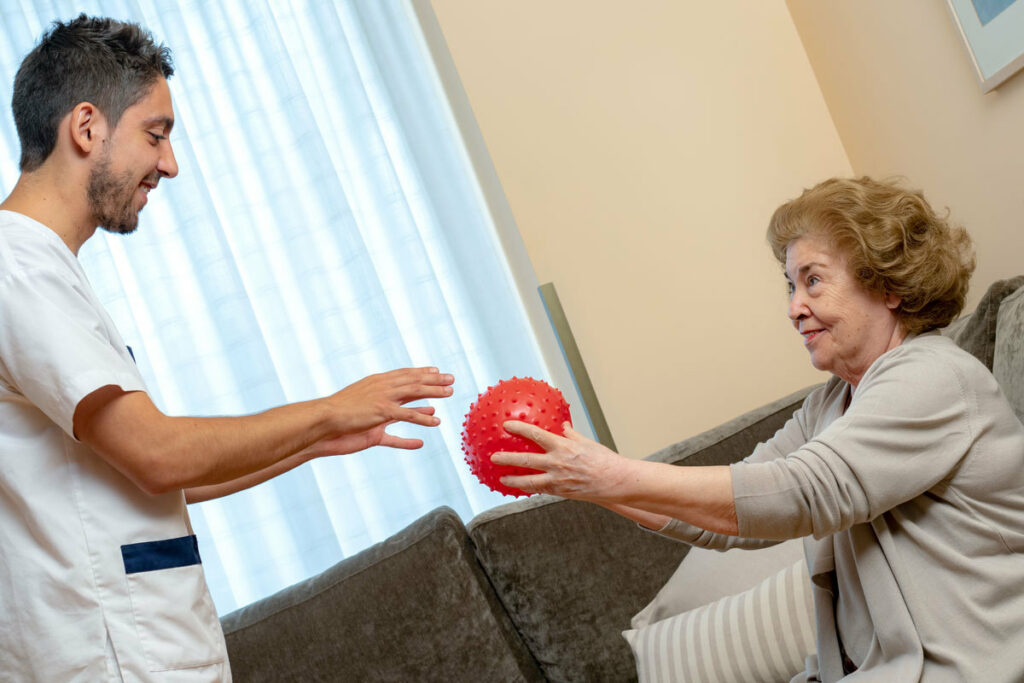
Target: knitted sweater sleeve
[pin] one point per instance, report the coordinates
(907, 428)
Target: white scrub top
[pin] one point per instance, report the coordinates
(98, 579)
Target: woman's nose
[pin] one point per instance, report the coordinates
(797, 308)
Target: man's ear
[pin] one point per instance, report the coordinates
(87, 128)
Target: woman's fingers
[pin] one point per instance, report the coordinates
(553, 455)
(531, 483)
(571, 433)
(532, 461)
(541, 437)
(571, 466)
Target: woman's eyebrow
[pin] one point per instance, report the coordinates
(804, 268)
(807, 266)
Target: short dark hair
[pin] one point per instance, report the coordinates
(107, 62)
(893, 240)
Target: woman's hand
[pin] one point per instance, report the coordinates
(651, 493)
(573, 466)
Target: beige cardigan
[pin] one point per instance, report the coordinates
(912, 502)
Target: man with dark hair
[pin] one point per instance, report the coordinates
(74, 63)
(100, 576)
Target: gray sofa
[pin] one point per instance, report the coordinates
(534, 590)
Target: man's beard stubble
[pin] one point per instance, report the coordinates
(111, 197)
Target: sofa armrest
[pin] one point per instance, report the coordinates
(571, 574)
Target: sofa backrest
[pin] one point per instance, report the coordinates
(994, 334)
(1008, 360)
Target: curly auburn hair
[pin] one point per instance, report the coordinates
(893, 241)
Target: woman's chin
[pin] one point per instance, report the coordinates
(821, 364)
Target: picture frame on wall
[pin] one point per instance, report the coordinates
(993, 32)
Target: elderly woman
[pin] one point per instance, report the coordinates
(904, 472)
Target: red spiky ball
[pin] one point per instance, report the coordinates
(520, 398)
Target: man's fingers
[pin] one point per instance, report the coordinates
(433, 377)
(409, 384)
(425, 376)
(417, 390)
(393, 441)
(417, 416)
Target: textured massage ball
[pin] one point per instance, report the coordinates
(520, 398)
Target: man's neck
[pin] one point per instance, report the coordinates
(40, 199)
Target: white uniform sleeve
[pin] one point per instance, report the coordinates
(56, 347)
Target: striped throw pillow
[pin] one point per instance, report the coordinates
(762, 634)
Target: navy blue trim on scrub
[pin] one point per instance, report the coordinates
(153, 555)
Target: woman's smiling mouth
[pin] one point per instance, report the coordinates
(810, 335)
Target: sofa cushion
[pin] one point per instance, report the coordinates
(1008, 363)
(416, 607)
(571, 575)
(763, 634)
(707, 575)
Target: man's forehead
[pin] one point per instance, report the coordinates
(154, 109)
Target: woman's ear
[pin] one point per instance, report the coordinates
(86, 127)
(893, 301)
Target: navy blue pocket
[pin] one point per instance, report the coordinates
(153, 555)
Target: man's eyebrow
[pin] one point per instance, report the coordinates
(166, 121)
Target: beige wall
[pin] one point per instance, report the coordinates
(642, 148)
(905, 100)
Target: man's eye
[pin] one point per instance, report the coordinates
(813, 280)
(156, 137)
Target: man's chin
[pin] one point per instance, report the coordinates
(120, 229)
(124, 227)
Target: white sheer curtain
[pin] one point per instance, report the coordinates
(326, 224)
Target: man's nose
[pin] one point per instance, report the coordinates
(167, 166)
